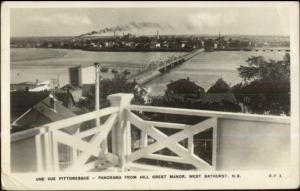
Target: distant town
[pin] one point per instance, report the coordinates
(159, 43)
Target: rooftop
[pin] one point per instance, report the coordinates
(184, 86)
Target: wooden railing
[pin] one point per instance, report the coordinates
(89, 149)
(52, 137)
(184, 155)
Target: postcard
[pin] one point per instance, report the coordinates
(149, 95)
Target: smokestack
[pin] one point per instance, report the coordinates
(157, 35)
(114, 34)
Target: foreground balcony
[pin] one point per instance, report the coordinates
(235, 142)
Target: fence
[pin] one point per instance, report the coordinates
(238, 142)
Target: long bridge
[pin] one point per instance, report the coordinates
(279, 49)
(261, 49)
(151, 73)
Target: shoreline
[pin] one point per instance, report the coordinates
(113, 49)
(56, 54)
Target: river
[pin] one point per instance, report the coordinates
(205, 68)
(29, 64)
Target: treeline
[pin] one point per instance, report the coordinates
(266, 85)
(265, 89)
(195, 103)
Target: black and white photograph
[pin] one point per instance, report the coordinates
(121, 95)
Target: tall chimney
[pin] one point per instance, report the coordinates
(114, 34)
(157, 35)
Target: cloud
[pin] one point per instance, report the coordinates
(204, 19)
(60, 19)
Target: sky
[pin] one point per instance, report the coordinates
(208, 21)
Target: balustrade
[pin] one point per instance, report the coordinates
(237, 140)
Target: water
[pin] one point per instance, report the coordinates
(29, 64)
(205, 68)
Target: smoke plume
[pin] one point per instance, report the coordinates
(129, 26)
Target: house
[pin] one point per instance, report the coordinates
(220, 86)
(165, 44)
(92, 44)
(183, 45)
(80, 75)
(88, 90)
(155, 45)
(33, 109)
(129, 44)
(32, 86)
(184, 86)
(67, 99)
(23, 86)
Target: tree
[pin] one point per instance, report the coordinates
(266, 71)
(267, 85)
(118, 84)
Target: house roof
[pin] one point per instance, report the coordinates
(34, 109)
(64, 97)
(184, 85)
(27, 83)
(219, 87)
(21, 101)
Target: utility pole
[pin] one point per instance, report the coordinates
(104, 148)
(58, 81)
(97, 91)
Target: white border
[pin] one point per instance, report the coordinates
(253, 179)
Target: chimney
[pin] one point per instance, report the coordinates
(114, 34)
(37, 80)
(157, 35)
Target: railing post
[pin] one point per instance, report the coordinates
(39, 150)
(54, 152)
(51, 150)
(48, 150)
(97, 101)
(121, 136)
(144, 139)
(191, 143)
(215, 144)
(74, 152)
